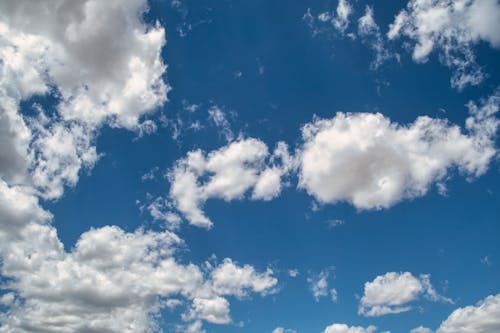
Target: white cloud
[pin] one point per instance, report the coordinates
(393, 292)
(338, 19)
(219, 118)
(370, 32)
(421, 329)
(344, 10)
(99, 71)
(484, 317)
(230, 172)
(118, 59)
(343, 328)
(102, 64)
(319, 286)
(293, 272)
(451, 27)
(230, 279)
(283, 330)
(372, 163)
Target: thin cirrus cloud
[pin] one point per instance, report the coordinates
(394, 292)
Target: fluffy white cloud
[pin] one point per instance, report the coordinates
(104, 61)
(392, 292)
(452, 27)
(99, 61)
(371, 162)
(112, 281)
(484, 317)
(227, 173)
(101, 64)
(230, 279)
(343, 328)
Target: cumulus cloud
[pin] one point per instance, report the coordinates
(113, 281)
(343, 328)
(340, 18)
(393, 292)
(230, 279)
(98, 61)
(118, 58)
(484, 317)
(100, 64)
(452, 28)
(227, 173)
(372, 163)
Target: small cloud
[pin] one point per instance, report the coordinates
(486, 260)
(293, 272)
(334, 223)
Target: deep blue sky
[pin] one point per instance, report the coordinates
(301, 75)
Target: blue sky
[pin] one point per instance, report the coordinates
(249, 166)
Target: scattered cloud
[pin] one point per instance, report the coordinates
(369, 31)
(484, 317)
(343, 328)
(218, 117)
(283, 330)
(421, 329)
(393, 292)
(228, 173)
(319, 286)
(372, 163)
(452, 28)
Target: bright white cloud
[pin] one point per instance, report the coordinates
(100, 71)
(372, 163)
(118, 58)
(484, 317)
(102, 64)
(452, 28)
(393, 292)
(229, 173)
(230, 279)
(113, 281)
(343, 328)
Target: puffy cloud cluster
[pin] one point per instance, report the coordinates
(484, 317)
(452, 28)
(227, 173)
(392, 292)
(364, 159)
(371, 162)
(99, 63)
(113, 281)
